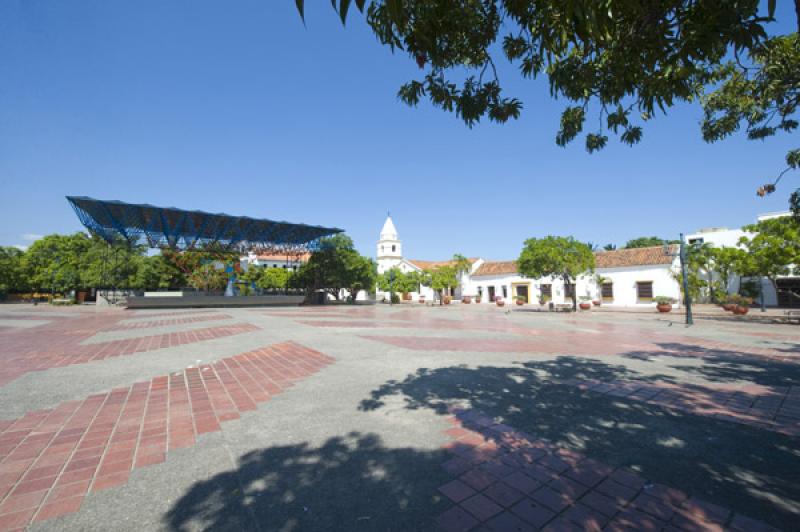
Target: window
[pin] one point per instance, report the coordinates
(695, 241)
(392, 248)
(608, 291)
(644, 291)
(480, 291)
(274, 265)
(547, 291)
(505, 292)
(569, 291)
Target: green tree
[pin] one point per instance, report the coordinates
(621, 61)
(208, 277)
(12, 272)
(556, 256)
(440, 279)
(336, 266)
(271, 278)
(771, 251)
(156, 272)
(647, 241)
(397, 281)
(724, 261)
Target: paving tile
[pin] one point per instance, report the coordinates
(456, 520)
(456, 490)
(552, 499)
(508, 522)
(503, 494)
(478, 479)
(522, 482)
(532, 512)
(481, 507)
(94, 444)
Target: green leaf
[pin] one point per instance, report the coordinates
(301, 9)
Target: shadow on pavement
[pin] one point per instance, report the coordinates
(349, 483)
(751, 470)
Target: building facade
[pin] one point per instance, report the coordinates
(629, 277)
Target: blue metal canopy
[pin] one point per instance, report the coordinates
(179, 229)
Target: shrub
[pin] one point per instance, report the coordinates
(394, 298)
(663, 300)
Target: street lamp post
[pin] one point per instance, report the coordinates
(687, 299)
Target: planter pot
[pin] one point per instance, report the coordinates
(406, 296)
(585, 306)
(466, 299)
(740, 310)
(477, 300)
(421, 299)
(664, 308)
(499, 302)
(596, 302)
(81, 297)
(520, 302)
(728, 306)
(446, 300)
(542, 302)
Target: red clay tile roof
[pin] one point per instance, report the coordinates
(633, 257)
(603, 259)
(431, 264)
(303, 257)
(497, 268)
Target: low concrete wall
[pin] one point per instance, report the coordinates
(195, 301)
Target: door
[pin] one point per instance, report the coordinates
(522, 291)
(491, 293)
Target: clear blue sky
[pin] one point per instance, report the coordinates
(237, 107)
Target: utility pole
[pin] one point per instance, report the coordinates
(687, 299)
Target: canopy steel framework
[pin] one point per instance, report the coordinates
(178, 229)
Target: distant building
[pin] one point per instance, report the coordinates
(623, 278)
(268, 260)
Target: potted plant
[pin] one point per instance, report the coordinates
(543, 300)
(664, 303)
(499, 301)
(742, 305)
(585, 303)
(466, 300)
(421, 298)
(521, 300)
(596, 302)
(446, 300)
(477, 299)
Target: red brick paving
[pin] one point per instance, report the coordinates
(168, 322)
(51, 459)
(61, 343)
(509, 480)
(775, 408)
(580, 343)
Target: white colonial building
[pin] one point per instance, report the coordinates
(629, 277)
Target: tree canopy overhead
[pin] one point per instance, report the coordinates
(615, 63)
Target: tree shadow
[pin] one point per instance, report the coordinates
(734, 465)
(348, 483)
(724, 365)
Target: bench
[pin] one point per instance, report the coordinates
(561, 307)
(793, 316)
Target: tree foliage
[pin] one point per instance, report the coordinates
(440, 279)
(395, 280)
(12, 271)
(337, 266)
(616, 64)
(647, 241)
(772, 250)
(208, 277)
(556, 256)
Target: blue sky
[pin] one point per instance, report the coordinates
(237, 107)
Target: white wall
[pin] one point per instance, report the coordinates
(624, 283)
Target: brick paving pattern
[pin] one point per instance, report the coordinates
(774, 408)
(51, 459)
(167, 322)
(504, 479)
(575, 343)
(61, 344)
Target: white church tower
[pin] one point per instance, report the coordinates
(390, 250)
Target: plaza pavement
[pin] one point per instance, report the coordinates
(395, 418)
